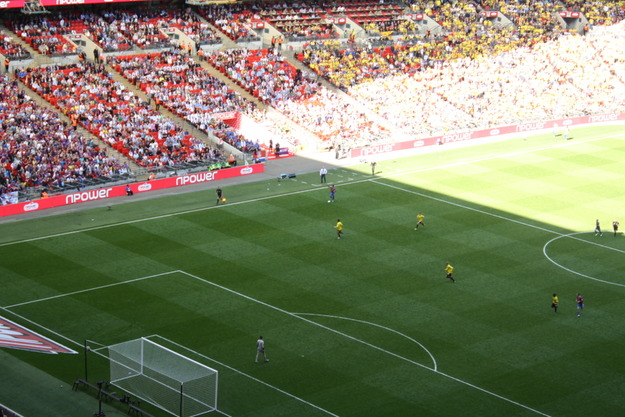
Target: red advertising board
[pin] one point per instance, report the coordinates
(480, 134)
(120, 190)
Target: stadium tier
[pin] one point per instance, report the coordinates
(158, 87)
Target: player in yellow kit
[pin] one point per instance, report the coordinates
(420, 218)
(339, 228)
(450, 271)
(555, 302)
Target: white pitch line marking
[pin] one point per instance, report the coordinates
(252, 378)
(40, 326)
(571, 236)
(292, 315)
(466, 207)
(305, 319)
(369, 344)
(435, 368)
(89, 289)
(252, 200)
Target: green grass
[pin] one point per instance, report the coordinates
(366, 325)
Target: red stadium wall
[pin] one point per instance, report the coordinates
(480, 134)
(120, 190)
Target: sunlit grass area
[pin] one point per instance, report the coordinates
(363, 325)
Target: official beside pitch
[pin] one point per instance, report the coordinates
(323, 172)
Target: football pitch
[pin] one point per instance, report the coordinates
(366, 325)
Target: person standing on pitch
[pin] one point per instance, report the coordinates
(420, 218)
(579, 300)
(219, 195)
(555, 302)
(339, 228)
(598, 228)
(615, 225)
(332, 193)
(449, 270)
(373, 163)
(260, 349)
(322, 173)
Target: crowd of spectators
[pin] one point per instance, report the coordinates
(298, 95)
(338, 121)
(11, 49)
(471, 75)
(112, 30)
(38, 149)
(297, 22)
(88, 94)
(305, 20)
(46, 34)
(528, 17)
(467, 34)
(143, 27)
(599, 12)
(235, 20)
(265, 73)
(191, 25)
(569, 76)
(345, 66)
(377, 18)
(177, 82)
(106, 34)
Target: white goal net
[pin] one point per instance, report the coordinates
(164, 378)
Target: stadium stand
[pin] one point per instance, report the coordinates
(39, 150)
(90, 97)
(264, 74)
(236, 21)
(188, 90)
(463, 71)
(11, 49)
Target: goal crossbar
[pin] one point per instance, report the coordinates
(165, 378)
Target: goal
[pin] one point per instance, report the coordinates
(164, 378)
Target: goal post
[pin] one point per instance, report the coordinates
(162, 377)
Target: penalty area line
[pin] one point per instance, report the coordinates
(435, 368)
(247, 297)
(114, 284)
(245, 375)
(42, 327)
(47, 329)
